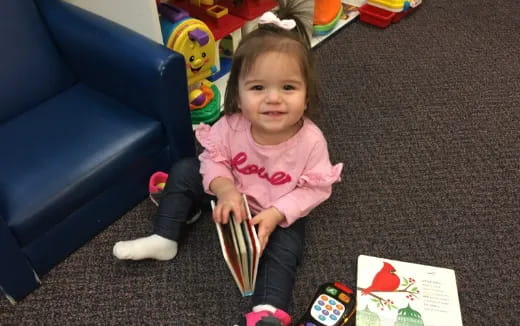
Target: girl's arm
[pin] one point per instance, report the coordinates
(288, 209)
(215, 168)
(300, 202)
(217, 179)
(314, 185)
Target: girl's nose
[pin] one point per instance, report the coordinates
(272, 96)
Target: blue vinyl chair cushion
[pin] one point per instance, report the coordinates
(91, 137)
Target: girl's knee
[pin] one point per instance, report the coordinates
(287, 242)
(185, 164)
(186, 169)
(184, 177)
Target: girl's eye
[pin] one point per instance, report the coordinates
(288, 87)
(257, 87)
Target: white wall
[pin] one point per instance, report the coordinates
(138, 15)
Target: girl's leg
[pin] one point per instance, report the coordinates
(181, 199)
(277, 271)
(180, 203)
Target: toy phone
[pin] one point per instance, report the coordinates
(334, 304)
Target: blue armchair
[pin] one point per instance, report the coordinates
(88, 111)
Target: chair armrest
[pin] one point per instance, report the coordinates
(17, 277)
(125, 65)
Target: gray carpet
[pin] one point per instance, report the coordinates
(425, 116)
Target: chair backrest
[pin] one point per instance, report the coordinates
(31, 69)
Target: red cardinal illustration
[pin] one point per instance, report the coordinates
(385, 280)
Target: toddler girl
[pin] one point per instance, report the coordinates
(264, 147)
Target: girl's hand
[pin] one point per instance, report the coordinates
(267, 220)
(229, 199)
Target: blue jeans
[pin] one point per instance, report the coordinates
(184, 195)
(181, 199)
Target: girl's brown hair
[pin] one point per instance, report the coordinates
(267, 38)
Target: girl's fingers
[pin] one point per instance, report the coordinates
(238, 210)
(263, 236)
(223, 210)
(225, 214)
(263, 242)
(242, 216)
(216, 214)
(254, 221)
(220, 214)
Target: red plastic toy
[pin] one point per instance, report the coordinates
(376, 13)
(217, 17)
(248, 9)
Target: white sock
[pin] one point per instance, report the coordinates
(264, 307)
(152, 247)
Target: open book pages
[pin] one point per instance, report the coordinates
(391, 292)
(241, 250)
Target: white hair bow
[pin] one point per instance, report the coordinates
(270, 18)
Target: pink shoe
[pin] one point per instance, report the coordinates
(266, 318)
(156, 186)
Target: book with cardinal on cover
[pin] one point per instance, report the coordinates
(396, 293)
(241, 250)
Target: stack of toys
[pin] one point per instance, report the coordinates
(326, 15)
(194, 40)
(382, 13)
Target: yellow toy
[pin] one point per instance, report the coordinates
(194, 40)
(395, 5)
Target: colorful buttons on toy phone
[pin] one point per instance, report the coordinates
(327, 310)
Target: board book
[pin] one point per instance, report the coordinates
(241, 250)
(391, 292)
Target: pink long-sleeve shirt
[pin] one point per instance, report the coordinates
(294, 176)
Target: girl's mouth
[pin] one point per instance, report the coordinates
(273, 113)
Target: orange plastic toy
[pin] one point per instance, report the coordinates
(325, 11)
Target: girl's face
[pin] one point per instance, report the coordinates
(272, 95)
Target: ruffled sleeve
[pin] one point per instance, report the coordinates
(326, 177)
(314, 186)
(215, 150)
(215, 159)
